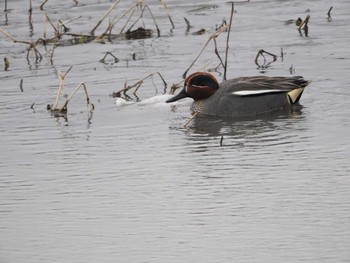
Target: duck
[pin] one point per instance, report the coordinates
(242, 96)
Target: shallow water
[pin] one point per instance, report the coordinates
(133, 185)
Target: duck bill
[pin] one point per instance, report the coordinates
(182, 94)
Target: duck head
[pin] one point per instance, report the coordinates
(198, 86)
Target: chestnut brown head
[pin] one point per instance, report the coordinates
(198, 86)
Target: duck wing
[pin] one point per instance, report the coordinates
(262, 85)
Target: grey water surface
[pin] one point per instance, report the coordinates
(134, 185)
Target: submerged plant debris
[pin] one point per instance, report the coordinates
(130, 25)
(63, 110)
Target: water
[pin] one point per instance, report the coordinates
(133, 185)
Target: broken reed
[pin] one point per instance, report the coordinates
(62, 111)
(138, 84)
(83, 38)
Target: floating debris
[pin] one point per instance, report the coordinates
(7, 64)
(64, 37)
(103, 60)
(265, 64)
(203, 7)
(139, 33)
(298, 21)
(199, 32)
(291, 69)
(21, 85)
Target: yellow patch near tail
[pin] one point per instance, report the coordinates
(294, 95)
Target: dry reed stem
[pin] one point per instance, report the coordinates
(188, 24)
(228, 38)
(70, 20)
(61, 77)
(42, 5)
(190, 119)
(167, 13)
(47, 19)
(83, 85)
(305, 22)
(329, 12)
(104, 17)
(8, 35)
(261, 52)
(32, 45)
(138, 83)
(103, 60)
(127, 21)
(217, 53)
(115, 20)
(154, 20)
(212, 36)
(63, 110)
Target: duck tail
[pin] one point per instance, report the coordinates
(300, 81)
(295, 94)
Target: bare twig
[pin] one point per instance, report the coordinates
(127, 21)
(138, 84)
(212, 36)
(188, 24)
(70, 20)
(305, 22)
(103, 18)
(30, 20)
(91, 106)
(52, 52)
(115, 20)
(142, 12)
(47, 18)
(61, 77)
(62, 111)
(103, 60)
(261, 52)
(217, 53)
(166, 11)
(190, 119)
(228, 38)
(304, 26)
(329, 12)
(42, 5)
(14, 39)
(21, 85)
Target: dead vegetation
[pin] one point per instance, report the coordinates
(60, 33)
(61, 111)
(65, 36)
(122, 93)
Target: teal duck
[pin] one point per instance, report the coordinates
(240, 96)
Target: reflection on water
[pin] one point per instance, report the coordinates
(247, 125)
(133, 185)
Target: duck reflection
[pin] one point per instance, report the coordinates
(277, 128)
